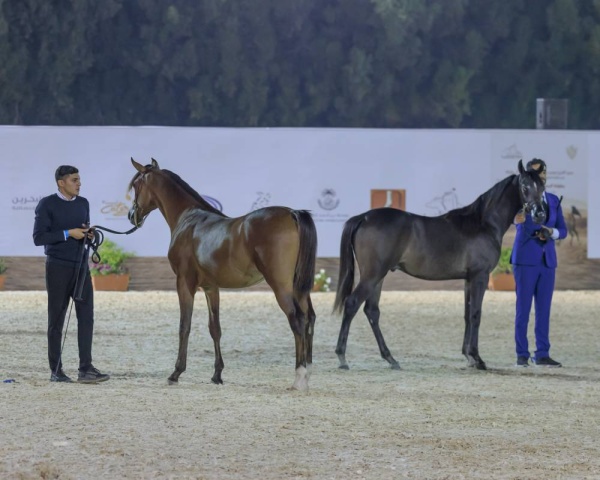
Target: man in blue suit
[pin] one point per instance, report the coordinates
(534, 267)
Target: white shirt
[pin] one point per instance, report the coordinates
(60, 195)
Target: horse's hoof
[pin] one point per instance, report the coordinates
(172, 382)
(301, 386)
(473, 362)
(344, 367)
(395, 366)
(481, 366)
(296, 388)
(216, 381)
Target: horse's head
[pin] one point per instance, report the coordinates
(531, 189)
(143, 200)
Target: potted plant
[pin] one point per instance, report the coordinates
(501, 277)
(322, 282)
(110, 273)
(3, 269)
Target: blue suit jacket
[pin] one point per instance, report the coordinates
(530, 250)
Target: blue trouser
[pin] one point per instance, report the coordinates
(533, 282)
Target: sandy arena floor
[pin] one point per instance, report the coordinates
(434, 419)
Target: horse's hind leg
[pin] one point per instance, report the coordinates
(298, 323)
(372, 312)
(310, 331)
(214, 327)
(186, 289)
(351, 306)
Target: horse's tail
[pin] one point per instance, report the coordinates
(304, 276)
(346, 273)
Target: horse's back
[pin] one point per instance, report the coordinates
(430, 248)
(378, 237)
(269, 225)
(387, 223)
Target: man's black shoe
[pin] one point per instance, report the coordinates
(546, 362)
(92, 375)
(59, 376)
(522, 362)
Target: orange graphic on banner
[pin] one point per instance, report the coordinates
(392, 198)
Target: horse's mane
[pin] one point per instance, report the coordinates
(471, 218)
(184, 185)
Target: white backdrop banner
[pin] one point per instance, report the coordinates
(331, 172)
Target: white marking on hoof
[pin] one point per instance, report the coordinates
(301, 381)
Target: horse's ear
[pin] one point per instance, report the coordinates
(521, 169)
(154, 163)
(138, 166)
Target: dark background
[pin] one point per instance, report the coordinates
(300, 63)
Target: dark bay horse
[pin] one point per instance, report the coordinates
(461, 244)
(209, 250)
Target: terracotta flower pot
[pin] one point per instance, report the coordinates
(502, 282)
(111, 282)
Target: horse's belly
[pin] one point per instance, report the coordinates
(230, 279)
(428, 270)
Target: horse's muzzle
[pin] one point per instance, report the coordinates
(538, 215)
(132, 216)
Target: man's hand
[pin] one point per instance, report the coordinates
(544, 233)
(79, 233)
(519, 217)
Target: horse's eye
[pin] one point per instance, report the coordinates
(524, 188)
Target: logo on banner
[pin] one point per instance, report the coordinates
(445, 202)
(213, 202)
(26, 202)
(263, 200)
(572, 152)
(511, 152)
(115, 209)
(388, 198)
(328, 200)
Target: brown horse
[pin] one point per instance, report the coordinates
(209, 250)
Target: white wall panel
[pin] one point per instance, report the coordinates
(247, 168)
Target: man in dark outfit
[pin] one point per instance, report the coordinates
(61, 225)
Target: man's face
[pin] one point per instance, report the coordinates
(70, 185)
(542, 173)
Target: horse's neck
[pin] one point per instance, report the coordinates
(173, 202)
(504, 207)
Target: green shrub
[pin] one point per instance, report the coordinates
(111, 259)
(504, 265)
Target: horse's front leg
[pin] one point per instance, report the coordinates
(476, 292)
(467, 335)
(214, 327)
(186, 292)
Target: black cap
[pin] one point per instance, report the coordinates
(536, 161)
